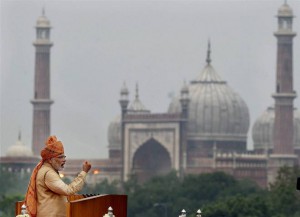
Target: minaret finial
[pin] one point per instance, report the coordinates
(19, 136)
(43, 11)
(137, 91)
(208, 60)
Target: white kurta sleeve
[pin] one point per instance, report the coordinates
(55, 184)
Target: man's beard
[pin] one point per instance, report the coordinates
(57, 166)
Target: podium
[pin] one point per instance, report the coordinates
(92, 206)
(97, 206)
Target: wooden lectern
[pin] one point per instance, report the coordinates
(93, 206)
(97, 206)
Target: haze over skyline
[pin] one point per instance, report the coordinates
(99, 45)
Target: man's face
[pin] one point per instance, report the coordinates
(58, 162)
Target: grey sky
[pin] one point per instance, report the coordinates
(100, 44)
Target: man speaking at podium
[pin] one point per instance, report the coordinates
(46, 193)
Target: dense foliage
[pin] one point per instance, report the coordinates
(216, 194)
(12, 189)
(191, 193)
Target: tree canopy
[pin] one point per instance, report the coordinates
(216, 194)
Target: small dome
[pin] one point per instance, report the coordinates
(285, 11)
(19, 150)
(114, 134)
(42, 21)
(215, 111)
(137, 106)
(262, 131)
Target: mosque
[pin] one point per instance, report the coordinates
(204, 130)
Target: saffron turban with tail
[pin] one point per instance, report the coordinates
(52, 149)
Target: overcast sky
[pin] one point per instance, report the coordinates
(158, 44)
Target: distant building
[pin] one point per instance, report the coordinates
(204, 130)
(206, 126)
(19, 158)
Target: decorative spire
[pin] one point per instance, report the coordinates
(43, 11)
(208, 60)
(137, 91)
(136, 106)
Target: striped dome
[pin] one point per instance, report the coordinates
(216, 112)
(262, 131)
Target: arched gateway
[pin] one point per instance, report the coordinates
(151, 159)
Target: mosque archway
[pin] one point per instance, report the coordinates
(151, 159)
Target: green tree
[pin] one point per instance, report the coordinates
(13, 187)
(238, 206)
(7, 205)
(104, 187)
(173, 194)
(13, 183)
(284, 200)
(159, 190)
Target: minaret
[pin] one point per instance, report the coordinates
(124, 104)
(184, 101)
(285, 95)
(283, 152)
(41, 101)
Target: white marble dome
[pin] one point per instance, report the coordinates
(19, 150)
(216, 111)
(262, 131)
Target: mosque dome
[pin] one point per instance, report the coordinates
(262, 131)
(285, 11)
(19, 150)
(43, 22)
(215, 111)
(114, 133)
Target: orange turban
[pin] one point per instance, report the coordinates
(52, 149)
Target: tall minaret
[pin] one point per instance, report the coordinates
(283, 152)
(124, 104)
(285, 95)
(41, 101)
